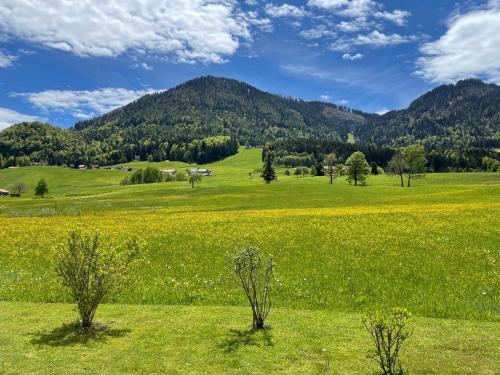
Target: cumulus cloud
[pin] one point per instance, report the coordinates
(375, 39)
(82, 104)
(187, 30)
(349, 57)
(357, 24)
(378, 39)
(318, 32)
(6, 60)
(9, 117)
(285, 10)
(143, 65)
(469, 48)
(347, 8)
(398, 16)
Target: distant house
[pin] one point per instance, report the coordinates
(204, 172)
(171, 172)
(4, 193)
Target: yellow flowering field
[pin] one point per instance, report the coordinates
(439, 260)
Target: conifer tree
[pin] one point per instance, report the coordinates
(268, 173)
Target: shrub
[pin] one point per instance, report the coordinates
(255, 273)
(125, 181)
(93, 271)
(137, 177)
(181, 176)
(152, 175)
(388, 331)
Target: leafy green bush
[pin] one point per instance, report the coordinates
(388, 330)
(93, 271)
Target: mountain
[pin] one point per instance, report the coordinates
(465, 114)
(210, 106)
(203, 119)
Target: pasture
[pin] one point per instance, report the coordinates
(339, 250)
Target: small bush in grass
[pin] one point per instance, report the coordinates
(255, 273)
(94, 271)
(388, 330)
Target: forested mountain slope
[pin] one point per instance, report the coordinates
(457, 122)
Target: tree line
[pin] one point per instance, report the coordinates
(407, 162)
(38, 143)
(310, 152)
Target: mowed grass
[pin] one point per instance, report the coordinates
(40, 338)
(339, 250)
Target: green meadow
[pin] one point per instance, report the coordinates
(340, 251)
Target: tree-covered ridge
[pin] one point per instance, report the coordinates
(37, 142)
(210, 106)
(463, 115)
(457, 124)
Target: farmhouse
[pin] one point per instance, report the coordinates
(204, 172)
(4, 193)
(170, 172)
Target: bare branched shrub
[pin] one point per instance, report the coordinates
(255, 273)
(388, 331)
(94, 271)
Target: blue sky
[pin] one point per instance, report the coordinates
(62, 62)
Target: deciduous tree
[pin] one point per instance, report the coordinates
(397, 165)
(41, 188)
(357, 168)
(195, 179)
(329, 166)
(415, 160)
(19, 187)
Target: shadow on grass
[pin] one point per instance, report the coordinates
(72, 334)
(249, 337)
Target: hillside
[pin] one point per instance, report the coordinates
(460, 123)
(450, 116)
(213, 106)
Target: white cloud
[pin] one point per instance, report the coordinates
(347, 8)
(398, 16)
(187, 30)
(325, 98)
(143, 65)
(317, 32)
(6, 60)
(360, 23)
(469, 48)
(375, 39)
(82, 104)
(285, 10)
(349, 57)
(9, 117)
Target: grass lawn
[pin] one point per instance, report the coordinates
(38, 338)
(339, 251)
